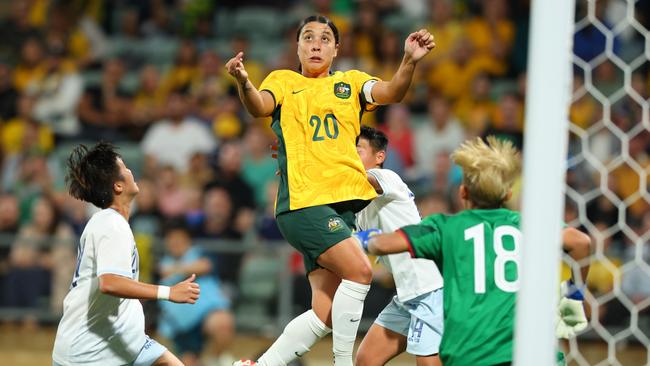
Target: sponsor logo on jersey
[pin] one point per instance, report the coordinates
(342, 90)
(335, 224)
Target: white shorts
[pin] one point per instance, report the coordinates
(420, 320)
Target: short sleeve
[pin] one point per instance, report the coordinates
(391, 184)
(275, 84)
(114, 252)
(363, 82)
(425, 239)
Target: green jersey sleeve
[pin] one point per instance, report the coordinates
(425, 238)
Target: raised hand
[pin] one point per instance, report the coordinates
(235, 67)
(186, 291)
(418, 44)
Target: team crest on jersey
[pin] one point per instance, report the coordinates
(334, 224)
(342, 90)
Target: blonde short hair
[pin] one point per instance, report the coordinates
(489, 169)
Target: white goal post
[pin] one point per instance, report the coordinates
(544, 167)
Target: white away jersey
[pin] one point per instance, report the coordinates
(100, 329)
(390, 211)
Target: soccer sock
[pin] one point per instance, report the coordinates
(346, 313)
(297, 338)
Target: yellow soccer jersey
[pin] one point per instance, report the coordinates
(317, 121)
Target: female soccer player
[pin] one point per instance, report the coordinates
(103, 321)
(478, 251)
(316, 117)
(412, 321)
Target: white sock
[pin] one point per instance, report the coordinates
(347, 307)
(297, 338)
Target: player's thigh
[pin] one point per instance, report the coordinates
(433, 360)
(323, 287)
(379, 346)
(347, 261)
(312, 231)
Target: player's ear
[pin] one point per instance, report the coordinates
(118, 187)
(336, 50)
(380, 157)
(508, 196)
(462, 191)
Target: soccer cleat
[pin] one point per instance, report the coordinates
(244, 363)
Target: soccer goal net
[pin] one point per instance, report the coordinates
(606, 186)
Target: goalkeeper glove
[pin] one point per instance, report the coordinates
(363, 237)
(570, 311)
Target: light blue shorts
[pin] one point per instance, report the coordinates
(420, 320)
(150, 352)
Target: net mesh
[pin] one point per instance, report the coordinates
(607, 191)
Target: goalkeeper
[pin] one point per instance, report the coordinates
(478, 251)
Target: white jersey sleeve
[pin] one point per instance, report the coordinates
(114, 250)
(392, 185)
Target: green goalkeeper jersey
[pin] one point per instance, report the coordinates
(477, 252)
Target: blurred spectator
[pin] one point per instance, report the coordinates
(31, 65)
(258, 167)
(218, 223)
(229, 176)
(208, 86)
(443, 133)
(15, 30)
(267, 227)
(584, 110)
(173, 141)
(492, 34)
(452, 77)
(43, 250)
(103, 109)
(28, 177)
(57, 94)
(507, 121)
(8, 94)
(397, 128)
(185, 68)
(22, 134)
(446, 29)
(172, 197)
(475, 108)
(199, 174)
(207, 325)
(9, 214)
(148, 102)
(628, 176)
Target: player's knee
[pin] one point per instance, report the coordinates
(363, 358)
(364, 273)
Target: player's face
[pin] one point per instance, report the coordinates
(316, 48)
(130, 187)
(368, 157)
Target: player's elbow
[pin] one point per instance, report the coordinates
(106, 285)
(577, 242)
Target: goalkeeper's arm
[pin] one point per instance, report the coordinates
(577, 245)
(570, 312)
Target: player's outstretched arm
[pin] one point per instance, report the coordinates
(416, 46)
(372, 242)
(258, 104)
(578, 245)
(186, 291)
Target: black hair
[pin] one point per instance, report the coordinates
(319, 19)
(92, 173)
(377, 139)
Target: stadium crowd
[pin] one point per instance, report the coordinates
(149, 76)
